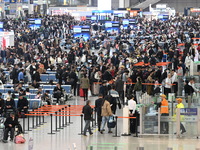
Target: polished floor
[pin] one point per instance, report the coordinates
(68, 138)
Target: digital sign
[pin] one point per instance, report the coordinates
(125, 22)
(82, 32)
(34, 26)
(132, 21)
(91, 18)
(108, 24)
(112, 26)
(35, 21)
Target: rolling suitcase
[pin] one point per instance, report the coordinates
(81, 94)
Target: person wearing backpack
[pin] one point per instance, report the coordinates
(114, 95)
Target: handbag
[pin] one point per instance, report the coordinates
(19, 139)
(111, 122)
(89, 93)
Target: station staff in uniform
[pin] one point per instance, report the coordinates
(164, 110)
(180, 105)
(132, 108)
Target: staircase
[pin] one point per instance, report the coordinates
(145, 4)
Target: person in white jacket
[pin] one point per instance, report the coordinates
(188, 60)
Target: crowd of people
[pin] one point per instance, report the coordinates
(105, 57)
(103, 64)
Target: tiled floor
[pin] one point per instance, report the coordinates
(68, 139)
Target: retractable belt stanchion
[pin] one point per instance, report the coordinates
(63, 117)
(43, 120)
(69, 115)
(81, 125)
(116, 128)
(24, 126)
(56, 123)
(40, 122)
(60, 119)
(37, 124)
(92, 121)
(95, 118)
(33, 122)
(28, 123)
(136, 128)
(51, 125)
(66, 116)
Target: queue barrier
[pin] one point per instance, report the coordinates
(56, 112)
(121, 117)
(61, 112)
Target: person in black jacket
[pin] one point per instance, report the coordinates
(65, 76)
(119, 87)
(36, 76)
(14, 74)
(9, 104)
(87, 111)
(73, 80)
(59, 73)
(10, 124)
(98, 104)
(188, 93)
(103, 89)
(58, 92)
(107, 75)
(1, 104)
(22, 104)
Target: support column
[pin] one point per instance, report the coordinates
(104, 5)
(30, 7)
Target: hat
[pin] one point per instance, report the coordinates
(179, 99)
(163, 95)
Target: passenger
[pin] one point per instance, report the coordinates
(22, 104)
(10, 124)
(98, 105)
(106, 112)
(87, 111)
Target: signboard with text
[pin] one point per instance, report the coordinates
(189, 111)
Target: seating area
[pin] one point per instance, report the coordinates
(33, 102)
(45, 78)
